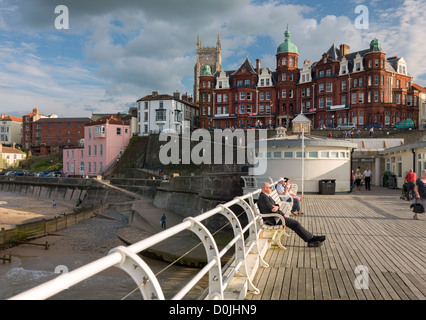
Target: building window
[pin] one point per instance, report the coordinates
(321, 102)
(160, 115)
(354, 98)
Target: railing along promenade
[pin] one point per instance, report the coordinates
(224, 280)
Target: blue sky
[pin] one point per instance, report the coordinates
(116, 52)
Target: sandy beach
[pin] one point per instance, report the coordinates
(18, 209)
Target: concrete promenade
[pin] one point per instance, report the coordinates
(373, 228)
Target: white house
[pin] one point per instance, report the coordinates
(158, 112)
(10, 130)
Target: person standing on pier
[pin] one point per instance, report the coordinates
(367, 178)
(410, 179)
(54, 204)
(420, 192)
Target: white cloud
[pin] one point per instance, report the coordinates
(402, 31)
(126, 49)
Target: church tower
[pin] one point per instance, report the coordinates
(208, 56)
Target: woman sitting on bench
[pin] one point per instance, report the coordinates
(283, 188)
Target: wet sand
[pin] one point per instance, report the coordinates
(18, 209)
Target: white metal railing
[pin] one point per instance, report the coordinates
(127, 259)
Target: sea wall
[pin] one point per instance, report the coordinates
(186, 195)
(90, 191)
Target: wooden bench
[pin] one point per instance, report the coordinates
(278, 231)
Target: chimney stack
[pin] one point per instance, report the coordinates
(258, 65)
(344, 50)
(176, 95)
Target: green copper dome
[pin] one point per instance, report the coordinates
(207, 71)
(375, 45)
(287, 45)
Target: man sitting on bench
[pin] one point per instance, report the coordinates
(267, 205)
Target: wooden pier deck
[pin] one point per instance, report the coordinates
(373, 228)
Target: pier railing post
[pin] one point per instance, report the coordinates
(215, 273)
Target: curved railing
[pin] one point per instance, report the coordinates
(220, 278)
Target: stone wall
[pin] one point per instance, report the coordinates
(189, 196)
(89, 190)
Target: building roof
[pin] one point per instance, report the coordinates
(309, 140)
(207, 71)
(10, 150)
(107, 119)
(375, 46)
(301, 118)
(287, 45)
(419, 144)
(248, 65)
(85, 119)
(10, 118)
(377, 144)
(155, 96)
(418, 87)
(34, 113)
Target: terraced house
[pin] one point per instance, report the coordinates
(105, 140)
(363, 87)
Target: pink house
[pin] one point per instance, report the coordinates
(104, 142)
